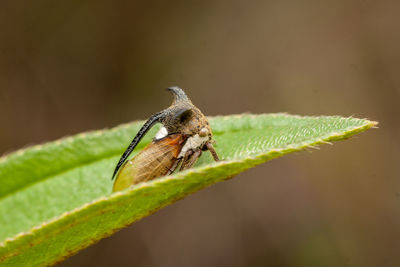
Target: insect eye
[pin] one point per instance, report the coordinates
(203, 132)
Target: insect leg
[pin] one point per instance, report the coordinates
(186, 158)
(174, 166)
(191, 160)
(212, 150)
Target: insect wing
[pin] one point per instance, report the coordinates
(155, 160)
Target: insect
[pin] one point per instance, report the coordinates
(184, 134)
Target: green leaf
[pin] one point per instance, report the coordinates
(55, 199)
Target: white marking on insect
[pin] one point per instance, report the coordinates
(161, 133)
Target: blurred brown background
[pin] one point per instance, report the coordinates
(73, 66)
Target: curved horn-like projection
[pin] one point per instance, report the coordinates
(179, 94)
(145, 128)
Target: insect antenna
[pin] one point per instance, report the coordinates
(145, 128)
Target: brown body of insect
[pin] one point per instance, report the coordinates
(184, 135)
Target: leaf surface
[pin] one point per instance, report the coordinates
(55, 199)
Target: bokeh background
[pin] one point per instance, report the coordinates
(73, 66)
